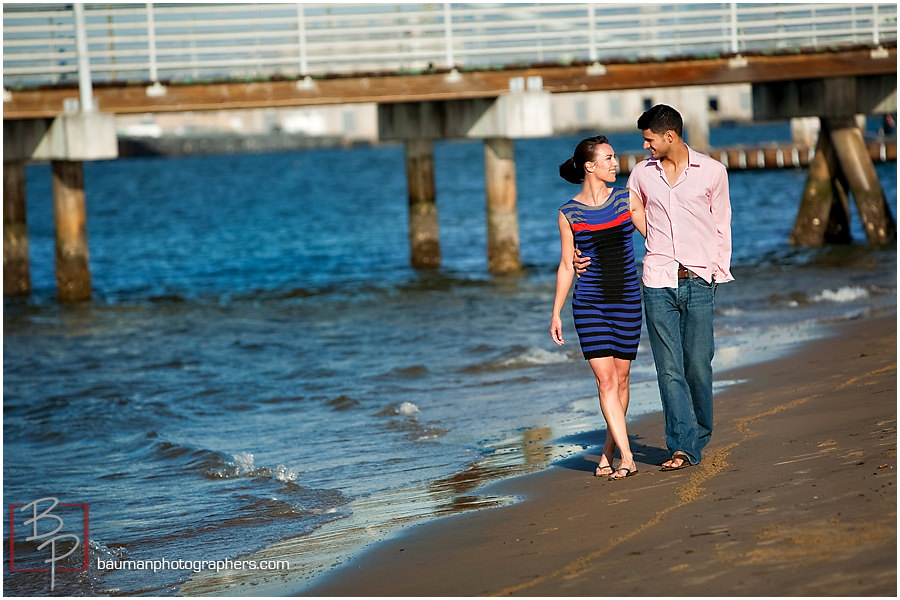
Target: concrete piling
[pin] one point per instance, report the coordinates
(424, 238)
(696, 118)
(502, 219)
(73, 275)
(16, 262)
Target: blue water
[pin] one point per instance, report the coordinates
(261, 373)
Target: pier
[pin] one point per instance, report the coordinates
(439, 71)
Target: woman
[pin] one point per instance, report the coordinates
(600, 220)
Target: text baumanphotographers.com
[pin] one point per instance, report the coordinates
(193, 565)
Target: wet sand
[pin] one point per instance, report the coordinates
(796, 495)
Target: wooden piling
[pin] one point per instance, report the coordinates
(73, 275)
(856, 164)
(824, 207)
(424, 237)
(16, 262)
(502, 220)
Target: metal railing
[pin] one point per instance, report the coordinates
(202, 42)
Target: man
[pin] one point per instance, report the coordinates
(688, 253)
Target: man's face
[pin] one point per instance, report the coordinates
(657, 144)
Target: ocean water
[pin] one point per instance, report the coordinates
(260, 374)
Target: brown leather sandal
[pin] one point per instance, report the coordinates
(678, 455)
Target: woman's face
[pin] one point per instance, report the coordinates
(604, 164)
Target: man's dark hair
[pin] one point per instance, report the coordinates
(660, 119)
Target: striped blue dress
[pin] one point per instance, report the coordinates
(607, 299)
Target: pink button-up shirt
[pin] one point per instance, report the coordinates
(688, 223)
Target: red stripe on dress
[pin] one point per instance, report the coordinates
(588, 227)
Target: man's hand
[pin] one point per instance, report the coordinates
(580, 263)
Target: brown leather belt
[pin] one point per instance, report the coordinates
(684, 273)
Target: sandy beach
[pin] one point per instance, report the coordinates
(796, 495)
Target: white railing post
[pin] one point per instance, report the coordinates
(453, 76)
(301, 34)
(448, 36)
(815, 28)
(306, 81)
(85, 88)
(735, 48)
(151, 43)
(875, 40)
(595, 68)
(156, 89)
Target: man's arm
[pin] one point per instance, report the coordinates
(720, 206)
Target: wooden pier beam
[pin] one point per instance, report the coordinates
(502, 219)
(73, 275)
(16, 262)
(856, 165)
(424, 236)
(824, 214)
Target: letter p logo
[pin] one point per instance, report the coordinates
(46, 526)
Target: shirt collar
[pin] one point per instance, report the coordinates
(694, 159)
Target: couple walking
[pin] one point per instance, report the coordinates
(678, 199)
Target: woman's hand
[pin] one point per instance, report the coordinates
(556, 330)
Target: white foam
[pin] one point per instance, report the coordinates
(407, 409)
(844, 294)
(244, 464)
(728, 352)
(536, 356)
(284, 474)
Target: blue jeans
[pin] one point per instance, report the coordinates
(680, 327)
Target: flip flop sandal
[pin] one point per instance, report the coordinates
(628, 473)
(599, 468)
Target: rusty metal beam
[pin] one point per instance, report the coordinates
(124, 99)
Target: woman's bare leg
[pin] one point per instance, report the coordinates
(613, 404)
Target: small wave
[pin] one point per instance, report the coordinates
(519, 358)
(192, 458)
(243, 464)
(106, 553)
(728, 352)
(167, 299)
(536, 356)
(844, 294)
(410, 426)
(405, 409)
(413, 372)
(217, 465)
(172, 364)
(415, 431)
(343, 403)
(282, 399)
